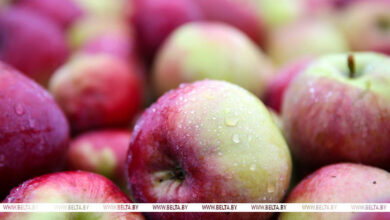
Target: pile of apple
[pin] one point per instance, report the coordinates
(160, 101)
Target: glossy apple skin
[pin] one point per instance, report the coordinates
(242, 14)
(206, 50)
(103, 152)
(305, 38)
(108, 91)
(373, 25)
(339, 183)
(34, 132)
(68, 187)
(280, 82)
(29, 54)
(224, 141)
(62, 12)
(329, 117)
(154, 20)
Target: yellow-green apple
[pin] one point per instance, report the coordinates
(338, 183)
(208, 141)
(103, 152)
(281, 12)
(34, 132)
(279, 82)
(31, 43)
(97, 91)
(338, 110)
(242, 14)
(367, 25)
(203, 50)
(63, 12)
(308, 37)
(68, 187)
(154, 20)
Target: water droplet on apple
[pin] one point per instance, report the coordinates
(219, 153)
(236, 138)
(19, 109)
(271, 188)
(252, 167)
(235, 164)
(231, 122)
(214, 118)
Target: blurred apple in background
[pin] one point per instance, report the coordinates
(203, 50)
(34, 132)
(103, 152)
(31, 43)
(281, 80)
(68, 187)
(338, 110)
(104, 9)
(154, 20)
(305, 38)
(338, 183)
(367, 25)
(62, 12)
(97, 91)
(281, 12)
(211, 142)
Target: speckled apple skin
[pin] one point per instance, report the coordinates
(97, 91)
(217, 51)
(339, 183)
(225, 141)
(68, 187)
(330, 118)
(37, 55)
(34, 132)
(102, 151)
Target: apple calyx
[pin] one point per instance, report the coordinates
(178, 173)
(351, 66)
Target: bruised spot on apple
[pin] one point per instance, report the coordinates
(209, 141)
(34, 132)
(338, 110)
(68, 187)
(339, 183)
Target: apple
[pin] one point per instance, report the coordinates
(103, 152)
(338, 183)
(374, 215)
(305, 38)
(338, 110)
(116, 9)
(211, 50)
(369, 30)
(245, 15)
(68, 187)
(154, 20)
(208, 142)
(280, 82)
(97, 91)
(31, 43)
(34, 132)
(63, 12)
(89, 28)
(281, 12)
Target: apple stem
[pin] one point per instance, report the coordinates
(351, 66)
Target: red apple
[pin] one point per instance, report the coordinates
(154, 20)
(68, 187)
(34, 132)
(279, 83)
(242, 14)
(338, 110)
(62, 12)
(97, 91)
(102, 152)
(209, 141)
(339, 183)
(31, 43)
